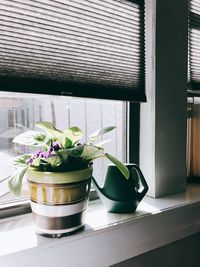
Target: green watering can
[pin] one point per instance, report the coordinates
(121, 195)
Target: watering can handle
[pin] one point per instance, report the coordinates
(141, 186)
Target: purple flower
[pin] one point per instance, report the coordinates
(55, 146)
(38, 153)
(29, 161)
(44, 154)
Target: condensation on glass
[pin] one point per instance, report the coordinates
(20, 112)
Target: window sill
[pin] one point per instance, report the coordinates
(108, 238)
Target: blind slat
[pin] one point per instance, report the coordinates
(86, 48)
(65, 54)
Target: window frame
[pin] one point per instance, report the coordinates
(163, 118)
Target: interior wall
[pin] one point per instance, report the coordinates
(182, 253)
(163, 117)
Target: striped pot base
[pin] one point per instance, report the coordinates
(56, 221)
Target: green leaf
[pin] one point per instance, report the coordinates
(49, 128)
(66, 138)
(54, 161)
(96, 134)
(65, 141)
(123, 169)
(41, 165)
(64, 155)
(30, 138)
(91, 152)
(40, 138)
(36, 162)
(76, 151)
(15, 181)
(74, 134)
(21, 161)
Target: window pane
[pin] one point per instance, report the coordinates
(20, 112)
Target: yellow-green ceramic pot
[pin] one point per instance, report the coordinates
(58, 200)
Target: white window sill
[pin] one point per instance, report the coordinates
(107, 238)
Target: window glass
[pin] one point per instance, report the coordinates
(20, 112)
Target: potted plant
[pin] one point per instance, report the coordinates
(59, 175)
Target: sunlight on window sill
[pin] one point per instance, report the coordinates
(25, 238)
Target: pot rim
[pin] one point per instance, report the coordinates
(58, 177)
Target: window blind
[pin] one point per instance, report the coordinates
(90, 48)
(194, 45)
